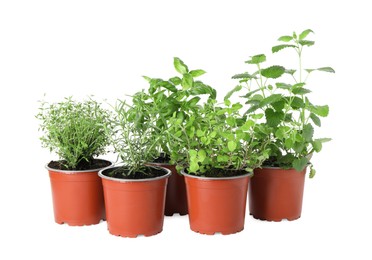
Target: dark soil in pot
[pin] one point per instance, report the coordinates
(82, 166)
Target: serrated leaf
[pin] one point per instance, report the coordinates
(322, 111)
(187, 81)
(306, 43)
(236, 89)
(301, 91)
(250, 93)
(180, 66)
(317, 145)
(315, 119)
(312, 173)
(197, 73)
(279, 105)
(326, 69)
(308, 132)
(231, 145)
(273, 72)
(270, 99)
(289, 71)
(300, 164)
(257, 59)
(283, 85)
(273, 118)
(281, 47)
(305, 33)
(175, 80)
(297, 103)
(298, 147)
(285, 38)
(202, 155)
(252, 109)
(243, 76)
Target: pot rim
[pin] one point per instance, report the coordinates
(248, 174)
(279, 168)
(79, 171)
(100, 174)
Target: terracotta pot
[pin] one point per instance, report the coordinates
(135, 206)
(216, 204)
(276, 194)
(176, 199)
(77, 197)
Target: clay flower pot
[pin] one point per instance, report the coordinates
(134, 206)
(176, 199)
(276, 194)
(216, 204)
(77, 196)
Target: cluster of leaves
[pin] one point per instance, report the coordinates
(178, 96)
(74, 130)
(218, 138)
(288, 111)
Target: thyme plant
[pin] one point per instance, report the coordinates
(74, 131)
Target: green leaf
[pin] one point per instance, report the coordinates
(285, 38)
(148, 79)
(301, 91)
(187, 81)
(180, 66)
(222, 158)
(281, 47)
(273, 72)
(252, 109)
(300, 164)
(197, 73)
(193, 153)
(283, 85)
(324, 140)
(247, 125)
(194, 166)
(236, 89)
(243, 76)
(320, 110)
(200, 88)
(308, 132)
(315, 119)
(175, 80)
(231, 121)
(305, 33)
(309, 70)
(312, 173)
(306, 43)
(288, 143)
(270, 99)
(273, 118)
(201, 155)
(192, 102)
(326, 69)
(257, 59)
(279, 105)
(167, 85)
(298, 147)
(297, 103)
(317, 145)
(231, 145)
(291, 72)
(199, 133)
(251, 93)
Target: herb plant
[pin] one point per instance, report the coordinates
(217, 141)
(288, 111)
(177, 96)
(74, 131)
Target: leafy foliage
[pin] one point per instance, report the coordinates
(74, 130)
(290, 116)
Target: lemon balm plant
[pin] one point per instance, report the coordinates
(75, 132)
(283, 95)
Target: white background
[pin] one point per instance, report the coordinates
(77, 48)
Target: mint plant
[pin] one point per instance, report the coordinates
(217, 141)
(288, 111)
(177, 96)
(74, 131)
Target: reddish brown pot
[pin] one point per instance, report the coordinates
(176, 199)
(77, 197)
(276, 194)
(135, 207)
(216, 204)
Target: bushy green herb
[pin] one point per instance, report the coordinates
(286, 105)
(74, 130)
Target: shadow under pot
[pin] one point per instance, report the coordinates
(77, 195)
(217, 205)
(134, 206)
(176, 199)
(276, 194)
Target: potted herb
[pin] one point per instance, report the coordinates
(276, 190)
(74, 131)
(177, 96)
(217, 150)
(134, 192)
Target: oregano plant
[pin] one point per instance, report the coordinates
(74, 131)
(283, 96)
